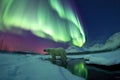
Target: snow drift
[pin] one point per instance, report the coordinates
(113, 42)
(29, 67)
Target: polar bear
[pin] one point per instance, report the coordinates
(57, 52)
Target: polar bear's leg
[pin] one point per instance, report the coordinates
(53, 59)
(63, 58)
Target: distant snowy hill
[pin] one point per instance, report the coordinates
(113, 42)
(102, 54)
(74, 49)
(29, 67)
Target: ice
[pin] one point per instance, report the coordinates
(29, 67)
(105, 58)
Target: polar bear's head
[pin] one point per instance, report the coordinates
(49, 50)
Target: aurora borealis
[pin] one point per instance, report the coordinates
(81, 70)
(100, 19)
(55, 20)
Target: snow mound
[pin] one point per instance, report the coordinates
(74, 49)
(29, 67)
(113, 42)
(103, 58)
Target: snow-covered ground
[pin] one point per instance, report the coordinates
(111, 57)
(34, 67)
(29, 67)
(103, 58)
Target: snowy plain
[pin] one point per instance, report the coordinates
(35, 67)
(29, 67)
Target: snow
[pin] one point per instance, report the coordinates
(74, 49)
(29, 67)
(111, 43)
(104, 58)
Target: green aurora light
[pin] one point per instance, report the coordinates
(52, 19)
(81, 70)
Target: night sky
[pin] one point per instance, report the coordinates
(100, 19)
